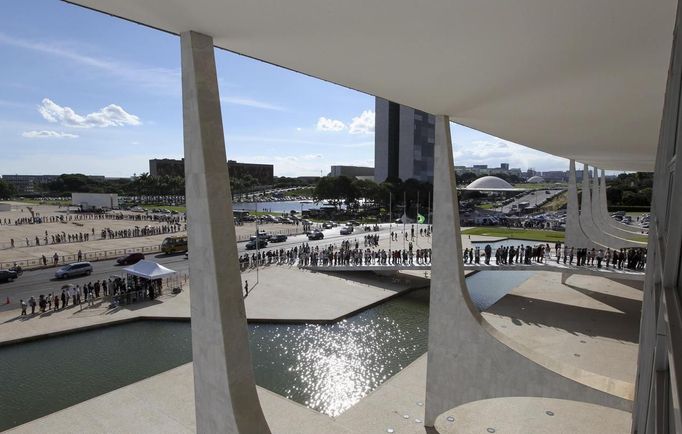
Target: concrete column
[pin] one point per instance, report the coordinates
(224, 387)
(605, 223)
(575, 237)
(468, 359)
(604, 209)
(590, 220)
(586, 220)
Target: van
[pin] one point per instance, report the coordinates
(75, 269)
(174, 245)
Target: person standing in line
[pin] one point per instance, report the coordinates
(32, 303)
(23, 307)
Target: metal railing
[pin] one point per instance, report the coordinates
(97, 255)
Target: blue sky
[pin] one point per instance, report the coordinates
(84, 92)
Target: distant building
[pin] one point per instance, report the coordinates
(28, 184)
(263, 173)
(403, 142)
(483, 169)
(555, 176)
(167, 167)
(352, 171)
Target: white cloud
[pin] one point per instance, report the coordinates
(109, 116)
(495, 151)
(249, 102)
(363, 124)
(326, 124)
(48, 134)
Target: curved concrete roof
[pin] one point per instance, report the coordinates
(536, 179)
(490, 183)
(583, 79)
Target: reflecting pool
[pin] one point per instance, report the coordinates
(326, 367)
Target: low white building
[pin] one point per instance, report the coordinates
(90, 201)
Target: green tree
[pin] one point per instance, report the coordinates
(7, 190)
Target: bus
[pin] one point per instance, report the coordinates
(176, 244)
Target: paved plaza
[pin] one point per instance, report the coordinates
(22, 232)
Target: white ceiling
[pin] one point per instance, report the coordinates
(583, 79)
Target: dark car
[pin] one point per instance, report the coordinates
(279, 238)
(252, 244)
(130, 259)
(346, 230)
(315, 235)
(7, 275)
(353, 222)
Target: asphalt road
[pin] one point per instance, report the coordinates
(36, 282)
(533, 198)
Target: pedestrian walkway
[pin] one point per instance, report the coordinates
(536, 266)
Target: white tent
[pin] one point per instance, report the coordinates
(149, 270)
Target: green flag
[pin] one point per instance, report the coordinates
(420, 218)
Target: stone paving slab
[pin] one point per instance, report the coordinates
(591, 323)
(526, 415)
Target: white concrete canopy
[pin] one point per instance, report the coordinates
(581, 79)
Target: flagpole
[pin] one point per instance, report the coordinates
(404, 216)
(418, 223)
(428, 211)
(390, 219)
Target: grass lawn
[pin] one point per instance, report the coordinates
(521, 234)
(303, 191)
(556, 202)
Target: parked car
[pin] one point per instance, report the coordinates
(280, 238)
(251, 245)
(346, 230)
(75, 269)
(7, 275)
(315, 235)
(130, 259)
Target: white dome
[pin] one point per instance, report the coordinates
(536, 179)
(490, 183)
